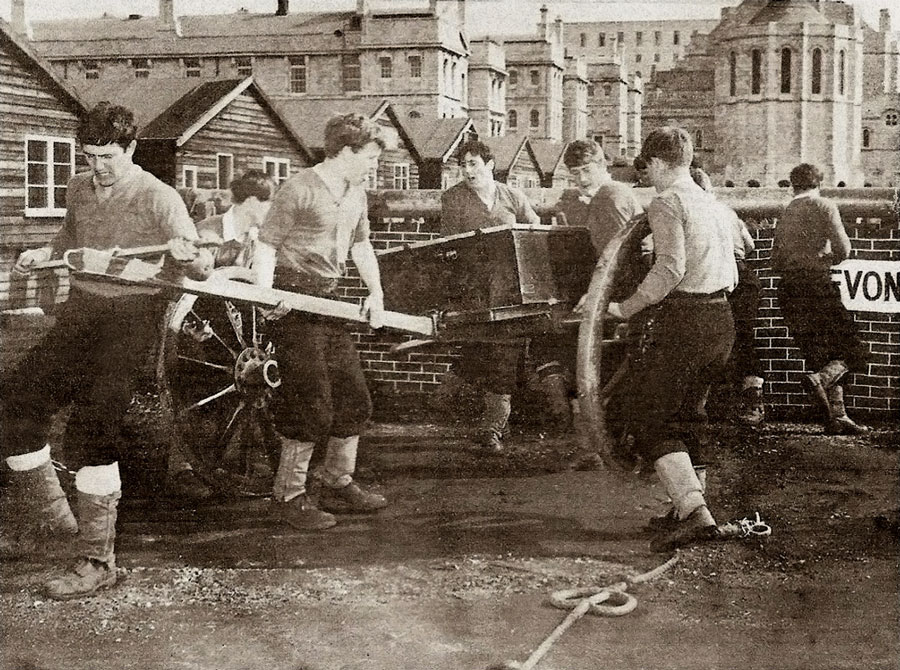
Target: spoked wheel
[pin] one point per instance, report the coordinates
(219, 374)
(606, 349)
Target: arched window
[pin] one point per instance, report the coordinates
(842, 72)
(817, 72)
(732, 74)
(866, 138)
(785, 70)
(513, 119)
(756, 71)
(534, 118)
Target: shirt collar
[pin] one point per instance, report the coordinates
(813, 192)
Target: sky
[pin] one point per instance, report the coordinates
(483, 16)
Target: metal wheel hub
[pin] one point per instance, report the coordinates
(256, 371)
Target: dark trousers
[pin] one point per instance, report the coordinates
(491, 366)
(816, 318)
(324, 392)
(744, 301)
(90, 358)
(687, 347)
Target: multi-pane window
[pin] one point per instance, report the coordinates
(297, 77)
(91, 69)
(601, 39)
(415, 66)
(732, 74)
(639, 38)
(816, 84)
(401, 176)
(189, 176)
(372, 178)
(244, 66)
(350, 72)
(513, 77)
(891, 118)
(224, 170)
(621, 38)
(512, 120)
(191, 67)
(278, 169)
(785, 70)
(755, 72)
(512, 180)
(535, 77)
(49, 163)
(534, 118)
(141, 67)
(386, 66)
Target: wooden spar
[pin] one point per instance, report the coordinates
(749, 203)
(92, 265)
(132, 252)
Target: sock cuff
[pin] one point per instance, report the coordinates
(99, 480)
(29, 461)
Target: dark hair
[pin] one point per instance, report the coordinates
(639, 164)
(784, 183)
(107, 124)
(841, 184)
(753, 183)
(729, 183)
(670, 144)
(476, 148)
(581, 152)
(253, 183)
(351, 130)
(806, 176)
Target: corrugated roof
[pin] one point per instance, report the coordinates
(788, 11)
(434, 138)
(548, 153)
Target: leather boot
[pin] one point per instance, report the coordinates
(752, 410)
(290, 503)
(840, 423)
(497, 407)
(35, 508)
(694, 521)
(96, 569)
(670, 518)
(817, 384)
(339, 493)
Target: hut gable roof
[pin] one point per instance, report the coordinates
(437, 139)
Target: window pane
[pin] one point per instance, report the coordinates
(62, 152)
(37, 173)
(37, 197)
(282, 171)
(59, 196)
(37, 151)
(61, 174)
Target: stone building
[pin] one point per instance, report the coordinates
(536, 66)
(644, 47)
(881, 105)
(415, 56)
(575, 99)
(487, 87)
(614, 109)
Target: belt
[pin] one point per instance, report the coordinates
(714, 297)
(302, 283)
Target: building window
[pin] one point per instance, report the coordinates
(191, 67)
(638, 38)
(607, 90)
(621, 38)
(297, 77)
(601, 40)
(189, 176)
(732, 74)
(534, 118)
(637, 58)
(224, 170)
(49, 163)
(583, 39)
(866, 138)
(141, 67)
(401, 176)
(512, 119)
(842, 72)
(350, 73)
(244, 65)
(656, 58)
(890, 118)
(372, 179)
(785, 70)
(535, 78)
(513, 78)
(278, 169)
(698, 139)
(755, 71)
(91, 69)
(512, 180)
(657, 37)
(816, 85)
(676, 38)
(415, 66)
(386, 66)
(590, 90)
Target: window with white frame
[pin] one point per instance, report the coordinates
(191, 67)
(244, 66)
(278, 169)
(297, 76)
(91, 69)
(401, 176)
(224, 170)
(49, 163)
(189, 176)
(386, 67)
(415, 66)
(350, 72)
(141, 67)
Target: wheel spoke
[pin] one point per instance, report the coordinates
(200, 403)
(212, 330)
(215, 366)
(237, 322)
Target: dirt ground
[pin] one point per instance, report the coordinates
(458, 571)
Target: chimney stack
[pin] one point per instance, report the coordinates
(167, 16)
(543, 26)
(884, 22)
(461, 13)
(19, 19)
(282, 8)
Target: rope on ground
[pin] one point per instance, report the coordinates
(612, 600)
